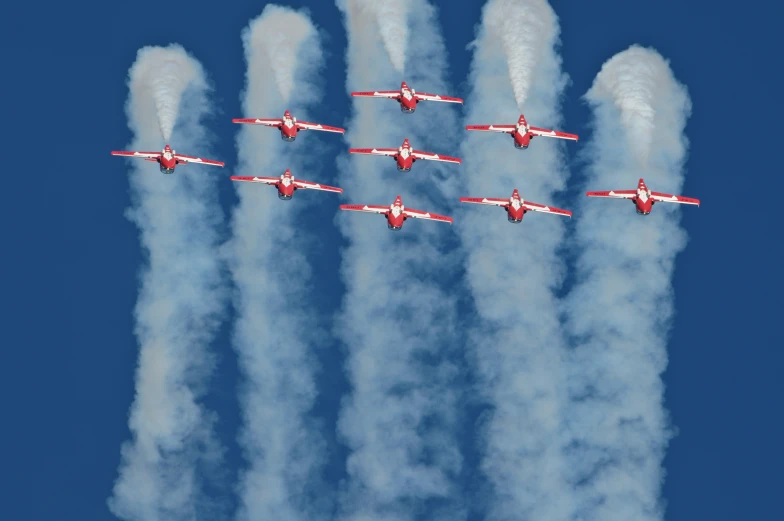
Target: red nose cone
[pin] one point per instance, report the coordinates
(403, 85)
(398, 200)
(406, 143)
(521, 120)
(287, 173)
(287, 114)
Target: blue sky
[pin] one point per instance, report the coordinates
(70, 269)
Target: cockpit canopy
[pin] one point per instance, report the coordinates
(643, 194)
(395, 209)
(404, 152)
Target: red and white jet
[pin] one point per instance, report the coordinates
(167, 158)
(515, 206)
(522, 132)
(286, 184)
(643, 198)
(404, 155)
(396, 213)
(288, 126)
(407, 97)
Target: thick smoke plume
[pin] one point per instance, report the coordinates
(390, 17)
(173, 450)
(513, 271)
(634, 82)
(526, 29)
(398, 319)
(275, 326)
(164, 80)
(620, 310)
(282, 34)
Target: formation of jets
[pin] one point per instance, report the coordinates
(405, 156)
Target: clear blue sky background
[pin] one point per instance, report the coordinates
(70, 258)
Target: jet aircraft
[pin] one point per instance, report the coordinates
(515, 206)
(407, 97)
(522, 132)
(286, 184)
(643, 198)
(288, 126)
(168, 159)
(396, 213)
(404, 155)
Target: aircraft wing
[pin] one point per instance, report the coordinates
(305, 125)
(258, 121)
(417, 214)
(378, 94)
(658, 196)
(492, 128)
(418, 154)
(618, 194)
(316, 186)
(374, 151)
(551, 133)
(435, 97)
(546, 209)
(199, 160)
(255, 179)
(485, 200)
(142, 155)
(364, 208)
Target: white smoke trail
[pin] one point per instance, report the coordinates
(620, 310)
(391, 21)
(633, 81)
(398, 321)
(275, 326)
(526, 29)
(513, 271)
(281, 34)
(181, 300)
(165, 80)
